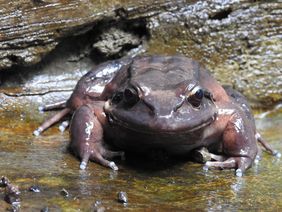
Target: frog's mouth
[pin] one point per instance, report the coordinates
(164, 125)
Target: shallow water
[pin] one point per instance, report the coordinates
(46, 162)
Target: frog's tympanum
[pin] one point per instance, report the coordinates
(159, 102)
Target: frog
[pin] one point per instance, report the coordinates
(171, 103)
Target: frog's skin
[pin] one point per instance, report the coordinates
(159, 102)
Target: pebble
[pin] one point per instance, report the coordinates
(122, 197)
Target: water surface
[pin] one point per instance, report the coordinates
(184, 186)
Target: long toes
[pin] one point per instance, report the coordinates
(277, 154)
(99, 159)
(111, 154)
(228, 164)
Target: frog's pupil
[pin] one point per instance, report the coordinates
(130, 96)
(196, 99)
(199, 94)
(117, 97)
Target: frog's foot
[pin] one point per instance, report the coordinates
(54, 119)
(98, 154)
(238, 163)
(64, 125)
(57, 105)
(267, 146)
(202, 155)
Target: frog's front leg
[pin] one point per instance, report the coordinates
(239, 146)
(87, 138)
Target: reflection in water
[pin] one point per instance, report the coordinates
(238, 185)
(84, 189)
(46, 162)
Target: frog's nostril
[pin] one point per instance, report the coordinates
(150, 106)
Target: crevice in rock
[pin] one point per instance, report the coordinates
(221, 14)
(115, 39)
(74, 56)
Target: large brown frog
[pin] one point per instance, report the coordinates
(159, 102)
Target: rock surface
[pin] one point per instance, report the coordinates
(239, 40)
(46, 45)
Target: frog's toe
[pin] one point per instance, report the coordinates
(83, 165)
(257, 159)
(41, 109)
(38, 131)
(277, 154)
(113, 166)
(205, 168)
(97, 157)
(239, 172)
(63, 126)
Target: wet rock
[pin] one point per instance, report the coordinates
(35, 189)
(239, 40)
(28, 33)
(64, 193)
(97, 207)
(12, 193)
(45, 209)
(122, 197)
(115, 41)
(12, 198)
(14, 208)
(4, 181)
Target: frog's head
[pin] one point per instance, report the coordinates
(162, 94)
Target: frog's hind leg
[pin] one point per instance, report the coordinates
(87, 138)
(54, 119)
(267, 146)
(238, 145)
(238, 163)
(53, 106)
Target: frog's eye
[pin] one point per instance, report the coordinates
(195, 97)
(130, 96)
(117, 97)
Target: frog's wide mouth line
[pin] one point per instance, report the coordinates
(148, 130)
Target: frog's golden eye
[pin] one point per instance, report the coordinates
(130, 96)
(195, 96)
